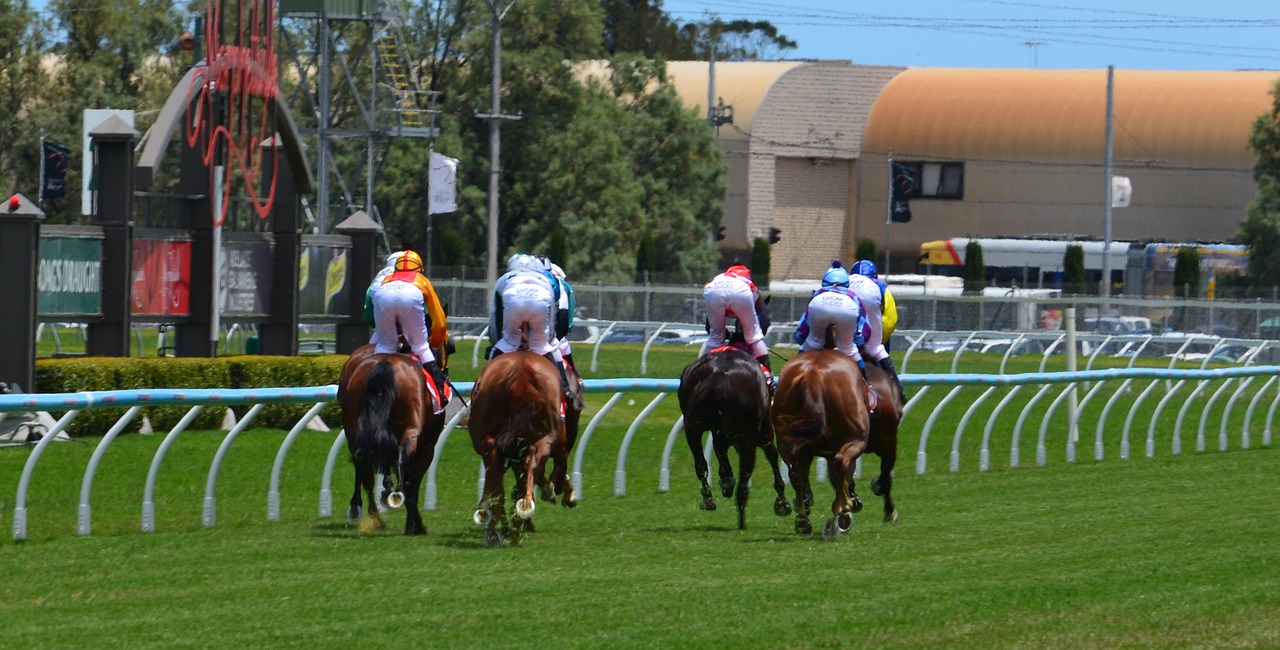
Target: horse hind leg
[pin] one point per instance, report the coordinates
(700, 468)
(720, 444)
(882, 486)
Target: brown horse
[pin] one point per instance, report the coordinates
(387, 416)
(883, 440)
(821, 411)
(724, 392)
(558, 486)
(516, 422)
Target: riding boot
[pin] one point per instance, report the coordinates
(887, 364)
(437, 376)
(769, 379)
(569, 394)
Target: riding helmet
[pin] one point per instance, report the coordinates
(410, 261)
(835, 277)
(738, 271)
(865, 267)
(523, 262)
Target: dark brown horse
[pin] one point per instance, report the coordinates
(558, 486)
(820, 411)
(390, 428)
(516, 422)
(724, 392)
(883, 440)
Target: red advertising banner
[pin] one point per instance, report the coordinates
(161, 278)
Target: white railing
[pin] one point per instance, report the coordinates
(921, 385)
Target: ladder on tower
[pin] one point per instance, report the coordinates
(401, 77)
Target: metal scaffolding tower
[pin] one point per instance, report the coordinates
(323, 38)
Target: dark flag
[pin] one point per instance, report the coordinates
(53, 175)
(902, 182)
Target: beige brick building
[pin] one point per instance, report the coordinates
(1000, 153)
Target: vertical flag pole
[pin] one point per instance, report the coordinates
(888, 213)
(40, 194)
(215, 323)
(1107, 198)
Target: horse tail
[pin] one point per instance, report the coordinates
(524, 407)
(373, 439)
(707, 400)
(806, 412)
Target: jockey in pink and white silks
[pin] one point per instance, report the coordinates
(525, 300)
(733, 293)
(836, 306)
(871, 292)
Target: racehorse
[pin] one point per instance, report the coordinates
(883, 439)
(821, 411)
(724, 392)
(516, 422)
(559, 486)
(387, 415)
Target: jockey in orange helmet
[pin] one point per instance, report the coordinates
(407, 298)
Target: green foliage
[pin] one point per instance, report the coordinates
(761, 261)
(1186, 273)
(646, 257)
(975, 271)
(1073, 277)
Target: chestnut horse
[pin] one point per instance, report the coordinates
(387, 416)
(883, 440)
(724, 392)
(516, 422)
(821, 411)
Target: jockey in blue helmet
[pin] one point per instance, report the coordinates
(879, 311)
(835, 308)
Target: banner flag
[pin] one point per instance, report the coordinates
(53, 174)
(902, 182)
(442, 181)
(1121, 191)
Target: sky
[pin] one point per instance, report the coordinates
(1129, 34)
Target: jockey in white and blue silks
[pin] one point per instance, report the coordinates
(526, 298)
(872, 293)
(836, 306)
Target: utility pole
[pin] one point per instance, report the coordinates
(495, 118)
(1106, 196)
(1035, 51)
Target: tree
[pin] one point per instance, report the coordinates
(21, 80)
(1073, 278)
(646, 257)
(975, 271)
(867, 250)
(1260, 230)
(761, 261)
(1186, 273)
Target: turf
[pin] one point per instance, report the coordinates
(1170, 551)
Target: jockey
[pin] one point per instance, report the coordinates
(875, 297)
(732, 293)
(564, 314)
(834, 305)
(528, 295)
(406, 298)
(377, 282)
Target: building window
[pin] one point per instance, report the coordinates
(938, 180)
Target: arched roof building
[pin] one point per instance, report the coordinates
(1022, 152)
(1001, 152)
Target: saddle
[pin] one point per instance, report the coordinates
(769, 377)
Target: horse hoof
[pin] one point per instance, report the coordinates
(353, 514)
(856, 505)
(844, 522)
(707, 504)
(524, 509)
(492, 538)
(804, 527)
(782, 507)
(829, 530)
(876, 488)
(395, 500)
(891, 517)
(482, 517)
(726, 487)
